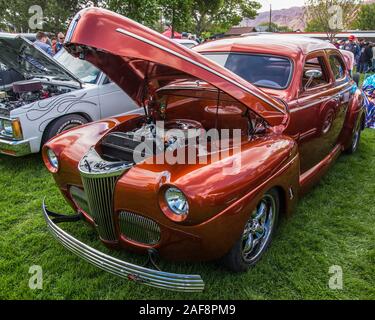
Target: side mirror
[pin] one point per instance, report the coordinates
(311, 75)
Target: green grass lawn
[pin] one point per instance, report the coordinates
(333, 225)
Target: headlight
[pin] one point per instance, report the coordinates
(52, 158)
(177, 201)
(11, 128)
(6, 128)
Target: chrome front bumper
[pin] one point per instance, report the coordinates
(150, 277)
(14, 148)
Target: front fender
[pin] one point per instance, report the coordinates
(210, 187)
(220, 204)
(70, 146)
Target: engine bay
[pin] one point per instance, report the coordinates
(26, 92)
(148, 140)
(175, 120)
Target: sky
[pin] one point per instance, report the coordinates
(280, 4)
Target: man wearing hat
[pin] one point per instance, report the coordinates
(353, 47)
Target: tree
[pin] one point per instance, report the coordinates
(201, 12)
(199, 16)
(331, 16)
(274, 27)
(220, 15)
(146, 12)
(16, 15)
(314, 25)
(176, 13)
(365, 18)
(58, 13)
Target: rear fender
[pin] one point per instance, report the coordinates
(355, 113)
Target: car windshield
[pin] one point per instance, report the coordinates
(82, 69)
(260, 70)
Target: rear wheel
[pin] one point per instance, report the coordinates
(355, 139)
(257, 234)
(62, 124)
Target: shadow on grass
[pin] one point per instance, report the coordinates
(34, 161)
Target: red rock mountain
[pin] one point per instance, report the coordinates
(292, 18)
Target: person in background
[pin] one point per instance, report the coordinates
(353, 47)
(336, 43)
(42, 43)
(341, 44)
(53, 44)
(60, 42)
(365, 60)
(361, 42)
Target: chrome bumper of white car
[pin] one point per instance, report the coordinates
(150, 277)
(14, 148)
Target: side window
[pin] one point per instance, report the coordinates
(107, 81)
(316, 63)
(337, 66)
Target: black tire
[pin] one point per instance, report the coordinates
(355, 139)
(62, 124)
(235, 260)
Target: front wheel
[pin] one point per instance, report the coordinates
(62, 124)
(257, 234)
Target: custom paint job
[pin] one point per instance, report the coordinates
(302, 137)
(93, 101)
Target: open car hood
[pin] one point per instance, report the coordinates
(133, 55)
(21, 55)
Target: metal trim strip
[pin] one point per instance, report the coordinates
(146, 276)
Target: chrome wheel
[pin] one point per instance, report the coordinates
(356, 138)
(258, 229)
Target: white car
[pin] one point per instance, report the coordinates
(187, 43)
(55, 94)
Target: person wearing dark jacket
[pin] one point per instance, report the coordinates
(365, 58)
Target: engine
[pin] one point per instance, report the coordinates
(149, 140)
(26, 92)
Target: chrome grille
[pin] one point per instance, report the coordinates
(139, 229)
(99, 179)
(80, 198)
(99, 193)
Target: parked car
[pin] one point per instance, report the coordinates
(187, 43)
(291, 100)
(43, 96)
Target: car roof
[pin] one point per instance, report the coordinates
(288, 45)
(185, 41)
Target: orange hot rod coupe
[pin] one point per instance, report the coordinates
(291, 98)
